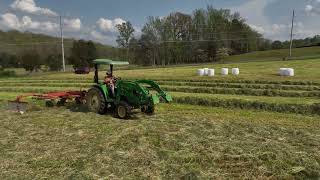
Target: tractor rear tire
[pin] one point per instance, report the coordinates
(96, 101)
(123, 110)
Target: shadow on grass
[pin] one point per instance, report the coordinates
(73, 107)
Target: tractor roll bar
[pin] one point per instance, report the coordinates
(96, 75)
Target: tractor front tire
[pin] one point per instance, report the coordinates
(123, 110)
(96, 101)
(150, 110)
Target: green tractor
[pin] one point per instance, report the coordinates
(127, 95)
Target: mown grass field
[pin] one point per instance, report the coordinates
(278, 54)
(255, 125)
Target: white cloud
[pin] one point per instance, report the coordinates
(282, 31)
(259, 29)
(118, 21)
(11, 21)
(254, 12)
(98, 36)
(137, 31)
(46, 26)
(102, 38)
(313, 7)
(72, 25)
(29, 6)
(309, 8)
(107, 25)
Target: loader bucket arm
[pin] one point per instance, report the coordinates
(160, 93)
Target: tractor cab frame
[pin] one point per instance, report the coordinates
(111, 63)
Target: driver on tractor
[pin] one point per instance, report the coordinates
(109, 80)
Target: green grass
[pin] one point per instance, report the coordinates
(276, 54)
(180, 141)
(305, 70)
(301, 105)
(167, 83)
(279, 100)
(45, 87)
(246, 139)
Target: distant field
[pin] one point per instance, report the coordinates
(278, 54)
(305, 70)
(257, 125)
(266, 56)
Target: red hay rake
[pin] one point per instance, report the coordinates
(50, 98)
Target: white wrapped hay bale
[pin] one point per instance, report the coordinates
(286, 72)
(282, 71)
(211, 72)
(201, 72)
(290, 72)
(235, 71)
(206, 71)
(224, 71)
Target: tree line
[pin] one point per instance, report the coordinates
(193, 38)
(297, 43)
(82, 54)
(206, 35)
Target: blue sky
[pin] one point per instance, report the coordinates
(95, 19)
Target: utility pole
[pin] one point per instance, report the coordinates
(291, 35)
(62, 45)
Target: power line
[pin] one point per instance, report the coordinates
(33, 43)
(291, 36)
(204, 40)
(62, 46)
(167, 41)
(217, 40)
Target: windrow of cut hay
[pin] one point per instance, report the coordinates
(242, 85)
(271, 90)
(165, 83)
(302, 108)
(188, 89)
(224, 81)
(258, 105)
(243, 91)
(283, 82)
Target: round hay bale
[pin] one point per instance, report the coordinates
(224, 71)
(211, 72)
(235, 71)
(200, 72)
